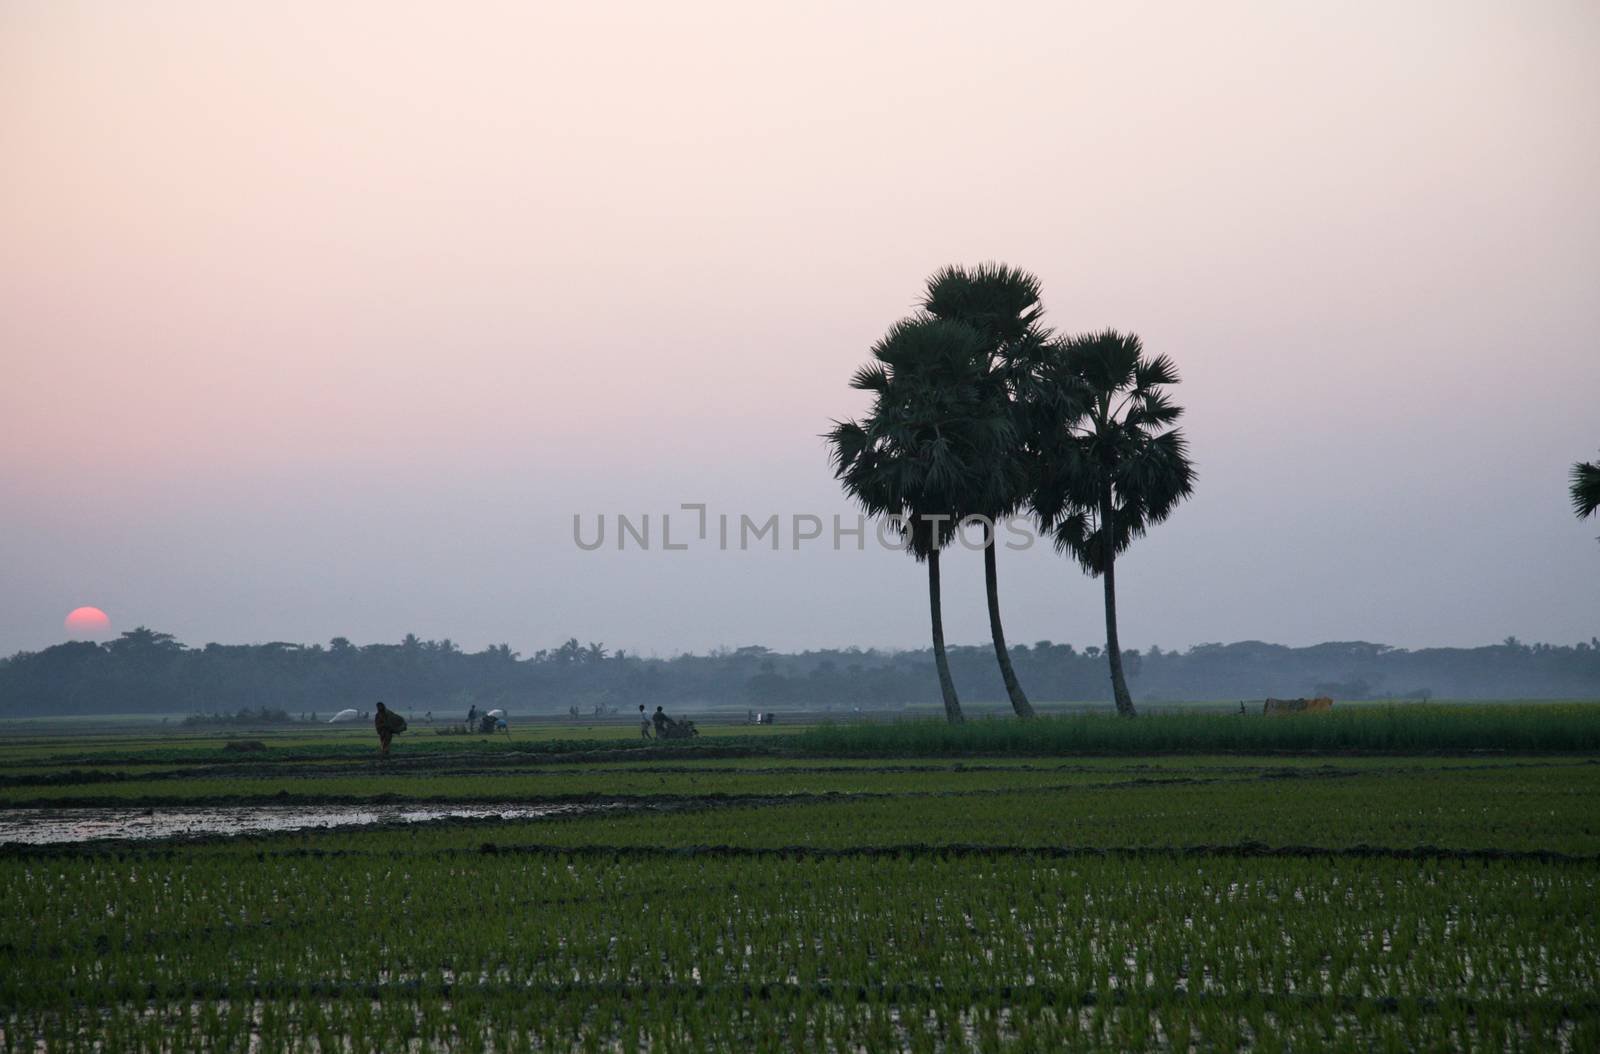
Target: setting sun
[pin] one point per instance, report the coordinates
(87, 622)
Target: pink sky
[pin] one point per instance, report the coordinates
(326, 319)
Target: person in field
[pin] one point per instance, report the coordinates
(387, 722)
(661, 721)
(644, 723)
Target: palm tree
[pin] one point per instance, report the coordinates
(1585, 488)
(1002, 304)
(923, 445)
(1105, 477)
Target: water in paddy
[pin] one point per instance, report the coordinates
(51, 826)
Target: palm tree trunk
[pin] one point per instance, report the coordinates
(947, 686)
(991, 581)
(1119, 683)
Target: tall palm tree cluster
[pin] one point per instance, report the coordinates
(979, 413)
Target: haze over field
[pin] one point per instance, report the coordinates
(326, 322)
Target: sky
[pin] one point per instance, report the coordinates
(322, 320)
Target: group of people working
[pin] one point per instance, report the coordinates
(389, 724)
(663, 725)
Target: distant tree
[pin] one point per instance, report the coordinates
(143, 642)
(921, 448)
(1002, 304)
(1105, 477)
(1132, 662)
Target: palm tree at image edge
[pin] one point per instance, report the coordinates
(1585, 488)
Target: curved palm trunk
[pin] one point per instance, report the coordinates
(991, 581)
(1119, 683)
(947, 686)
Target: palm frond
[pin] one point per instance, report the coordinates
(847, 441)
(1153, 410)
(1153, 373)
(1105, 360)
(1000, 301)
(1157, 476)
(872, 377)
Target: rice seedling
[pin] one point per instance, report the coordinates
(570, 951)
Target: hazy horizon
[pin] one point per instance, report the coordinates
(326, 321)
(983, 644)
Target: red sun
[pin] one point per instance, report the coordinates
(87, 622)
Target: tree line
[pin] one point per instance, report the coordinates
(144, 671)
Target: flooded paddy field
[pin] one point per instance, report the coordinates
(758, 896)
(71, 826)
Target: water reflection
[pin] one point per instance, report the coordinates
(50, 826)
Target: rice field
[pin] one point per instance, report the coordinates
(747, 896)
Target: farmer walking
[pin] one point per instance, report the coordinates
(387, 722)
